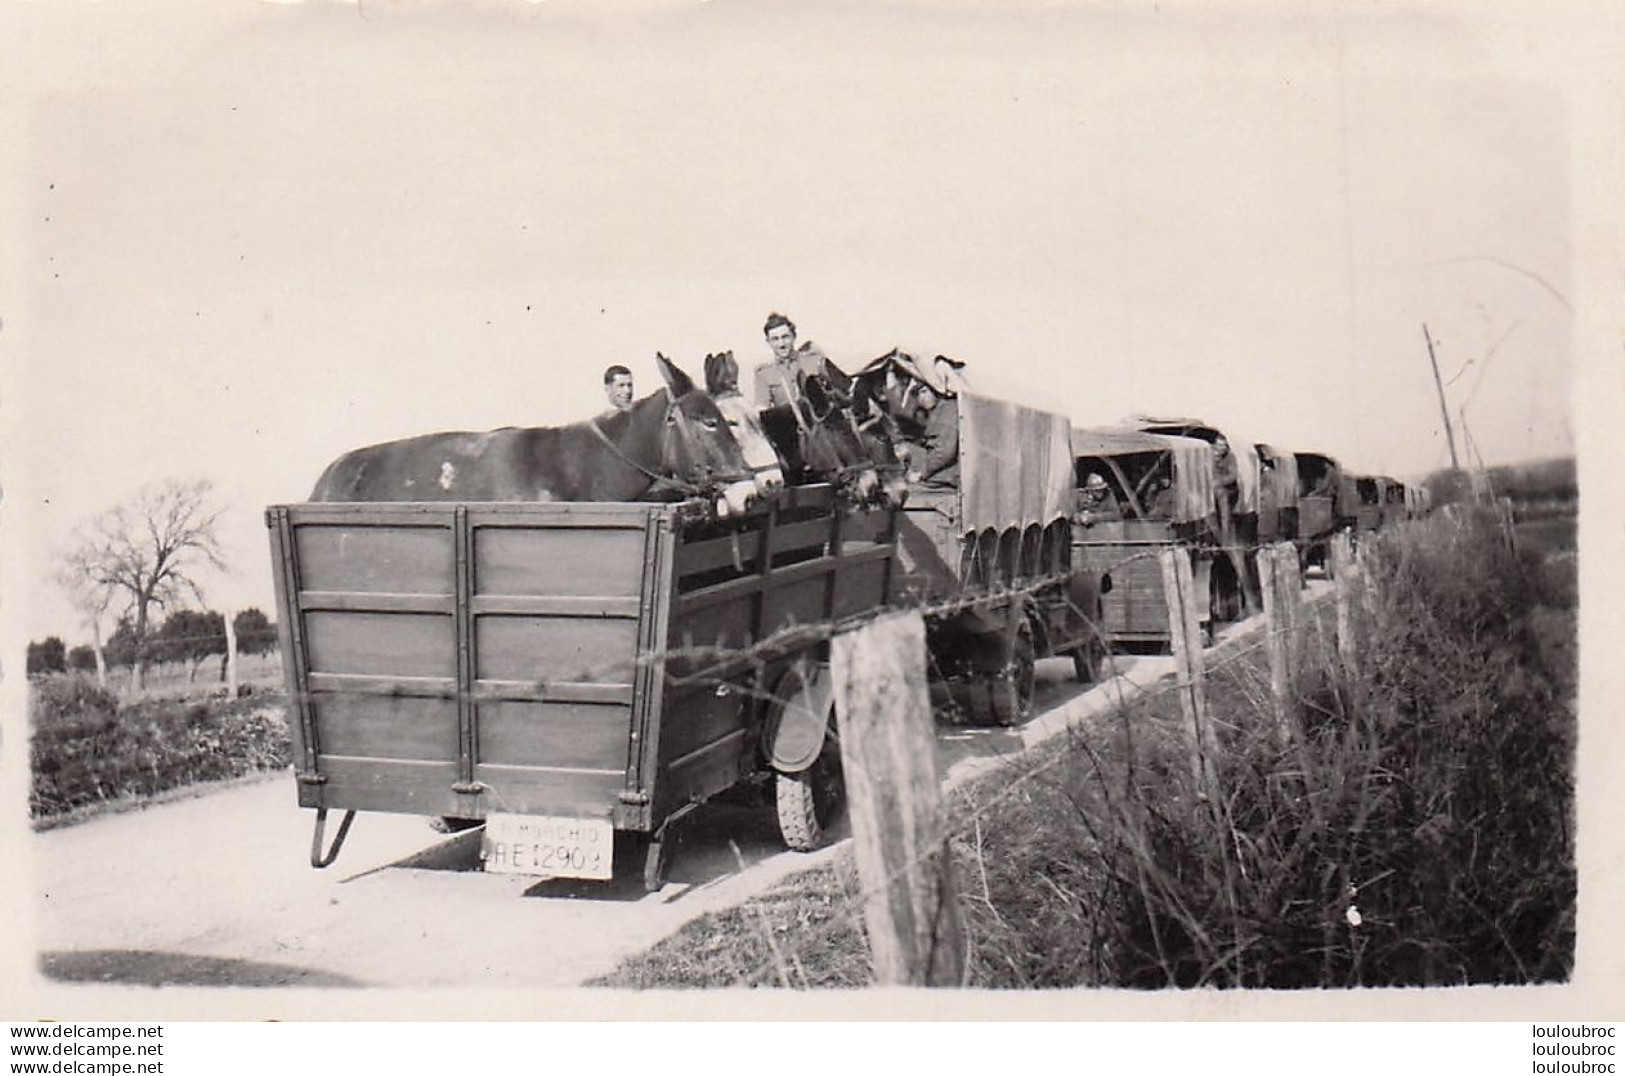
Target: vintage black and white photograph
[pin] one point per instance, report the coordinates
(793, 499)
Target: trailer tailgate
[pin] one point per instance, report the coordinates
(467, 660)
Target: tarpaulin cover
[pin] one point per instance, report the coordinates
(1194, 480)
(1283, 476)
(1248, 473)
(1246, 456)
(1015, 465)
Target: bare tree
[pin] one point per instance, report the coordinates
(92, 600)
(146, 552)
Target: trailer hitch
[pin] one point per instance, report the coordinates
(317, 859)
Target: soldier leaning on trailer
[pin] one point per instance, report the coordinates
(1226, 478)
(1096, 503)
(778, 382)
(936, 465)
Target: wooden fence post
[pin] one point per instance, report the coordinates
(1347, 575)
(1367, 588)
(1509, 531)
(1185, 637)
(894, 793)
(231, 656)
(1278, 573)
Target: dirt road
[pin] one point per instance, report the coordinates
(216, 890)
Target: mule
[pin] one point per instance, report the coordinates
(876, 434)
(671, 445)
(819, 442)
(761, 455)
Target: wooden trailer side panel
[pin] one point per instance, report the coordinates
(462, 660)
(739, 595)
(1134, 609)
(563, 607)
(1315, 516)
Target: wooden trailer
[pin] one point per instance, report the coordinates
(1277, 494)
(1369, 493)
(1395, 498)
(1321, 491)
(1162, 489)
(1237, 478)
(574, 675)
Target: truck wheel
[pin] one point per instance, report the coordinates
(1088, 661)
(808, 802)
(1227, 603)
(1013, 685)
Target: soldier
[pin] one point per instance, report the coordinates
(937, 465)
(618, 387)
(778, 382)
(1096, 504)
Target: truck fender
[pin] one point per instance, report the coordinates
(798, 718)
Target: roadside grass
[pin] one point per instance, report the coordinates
(91, 753)
(1419, 833)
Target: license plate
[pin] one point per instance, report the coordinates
(548, 847)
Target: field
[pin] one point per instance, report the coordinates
(174, 680)
(1420, 833)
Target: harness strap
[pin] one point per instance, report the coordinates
(660, 481)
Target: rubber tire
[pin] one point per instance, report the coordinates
(1089, 659)
(1227, 602)
(807, 803)
(1012, 687)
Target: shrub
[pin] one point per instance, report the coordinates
(1421, 833)
(86, 749)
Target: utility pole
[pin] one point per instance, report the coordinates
(1449, 433)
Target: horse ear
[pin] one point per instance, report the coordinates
(862, 402)
(678, 382)
(814, 388)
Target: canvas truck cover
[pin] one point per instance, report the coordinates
(1246, 456)
(1283, 475)
(1194, 480)
(1015, 465)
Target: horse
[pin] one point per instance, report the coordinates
(819, 441)
(876, 433)
(761, 455)
(671, 445)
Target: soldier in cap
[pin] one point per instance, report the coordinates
(778, 382)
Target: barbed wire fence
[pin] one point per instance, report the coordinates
(964, 824)
(1279, 635)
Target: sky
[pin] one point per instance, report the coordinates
(243, 238)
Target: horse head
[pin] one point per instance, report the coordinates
(832, 445)
(892, 383)
(722, 383)
(878, 434)
(698, 447)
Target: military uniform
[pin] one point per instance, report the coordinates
(940, 465)
(777, 384)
